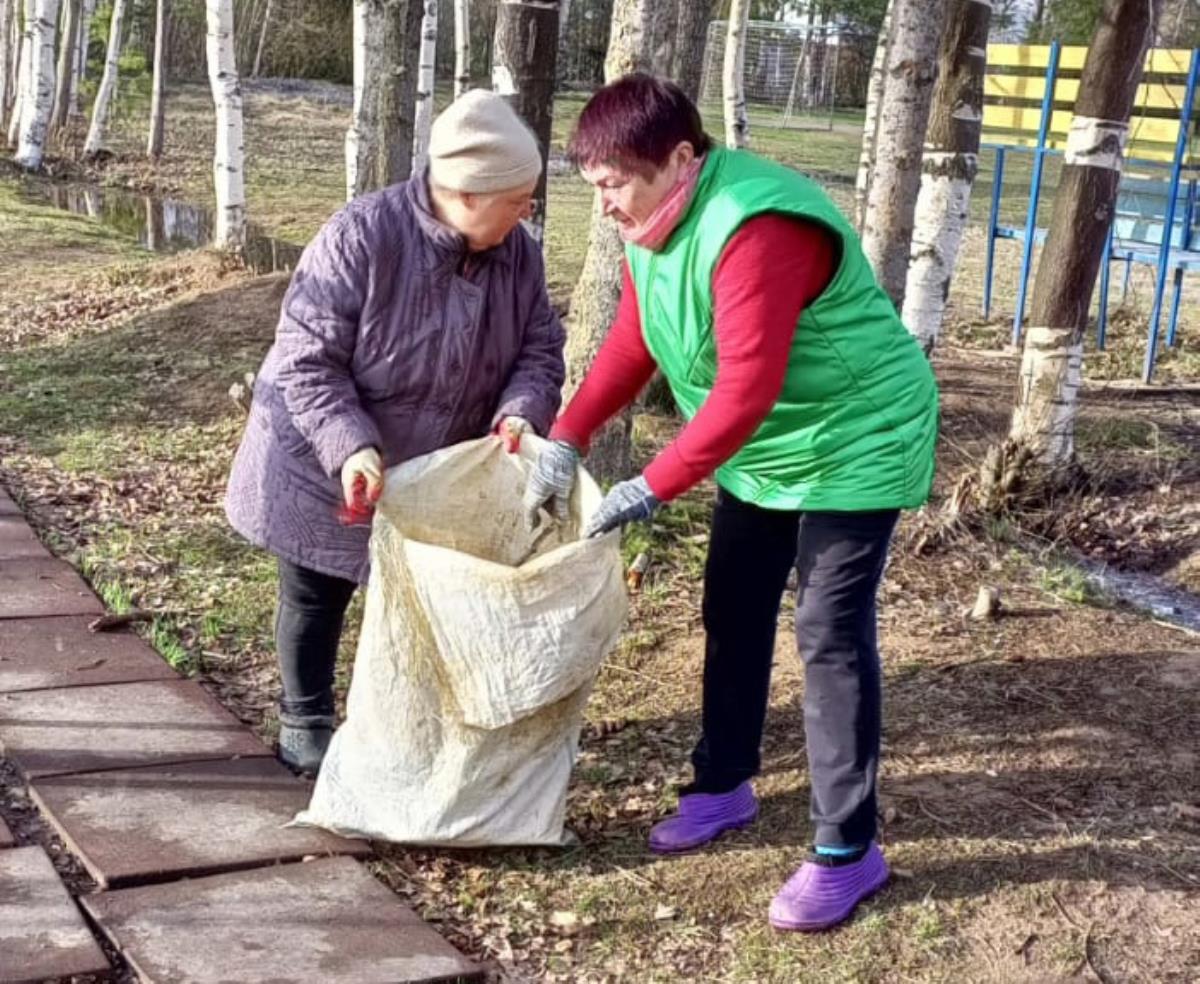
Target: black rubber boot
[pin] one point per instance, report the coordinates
(303, 740)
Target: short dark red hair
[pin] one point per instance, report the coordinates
(635, 122)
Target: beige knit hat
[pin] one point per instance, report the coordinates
(479, 144)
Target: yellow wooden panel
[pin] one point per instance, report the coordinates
(1150, 95)
(1174, 61)
(1071, 57)
(1028, 119)
(1019, 55)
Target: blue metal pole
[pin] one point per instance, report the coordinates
(1174, 320)
(1035, 189)
(993, 223)
(1102, 317)
(1164, 253)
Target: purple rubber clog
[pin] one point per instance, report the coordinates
(702, 817)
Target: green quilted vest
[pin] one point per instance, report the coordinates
(855, 425)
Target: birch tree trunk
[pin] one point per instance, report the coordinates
(903, 117)
(6, 46)
(228, 159)
(262, 42)
(737, 125)
(100, 108)
(66, 59)
(22, 83)
(462, 46)
(594, 300)
(379, 142)
(524, 69)
(154, 144)
(79, 72)
(1048, 396)
(426, 79)
(564, 20)
(35, 107)
(948, 170)
(691, 36)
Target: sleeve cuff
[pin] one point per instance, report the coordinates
(341, 437)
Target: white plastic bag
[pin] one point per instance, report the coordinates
(480, 643)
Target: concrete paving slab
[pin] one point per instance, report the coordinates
(33, 587)
(325, 920)
(42, 934)
(6, 837)
(119, 726)
(7, 506)
(45, 653)
(144, 825)
(18, 540)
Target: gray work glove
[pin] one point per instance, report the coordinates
(626, 502)
(551, 482)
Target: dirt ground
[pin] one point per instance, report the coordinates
(1040, 781)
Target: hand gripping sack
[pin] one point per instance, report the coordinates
(480, 643)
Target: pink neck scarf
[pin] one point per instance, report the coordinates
(656, 230)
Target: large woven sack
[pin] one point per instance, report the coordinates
(480, 643)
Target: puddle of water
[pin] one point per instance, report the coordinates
(162, 225)
(1145, 591)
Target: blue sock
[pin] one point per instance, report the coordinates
(839, 852)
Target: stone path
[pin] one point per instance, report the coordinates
(176, 810)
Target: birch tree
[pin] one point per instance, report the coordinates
(6, 45)
(462, 46)
(1048, 395)
(228, 159)
(948, 169)
(903, 117)
(22, 82)
(262, 40)
(524, 69)
(594, 301)
(426, 79)
(35, 107)
(154, 143)
(379, 142)
(108, 82)
(737, 125)
(866, 157)
(66, 60)
(79, 70)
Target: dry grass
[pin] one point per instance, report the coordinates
(1039, 786)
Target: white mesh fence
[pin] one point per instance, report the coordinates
(795, 74)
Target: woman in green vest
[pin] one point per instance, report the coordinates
(816, 412)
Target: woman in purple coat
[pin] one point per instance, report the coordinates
(417, 318)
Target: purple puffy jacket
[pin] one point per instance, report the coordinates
(388, 338)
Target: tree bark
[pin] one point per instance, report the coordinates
(594, 300)
(154, 144)
(81, 53)
(691, 37)
(66, 58)
(896, 161)
(737, 124)
(262, 42)
(379, 142)
(948, 170)
(1048, 396)
(228, 159)
(524, 69)
(423, 115)
(462, 46)
(35, 107)
(108, 82)
(24, 57)
(6, 46)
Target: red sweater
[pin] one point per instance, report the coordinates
(769, 271)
